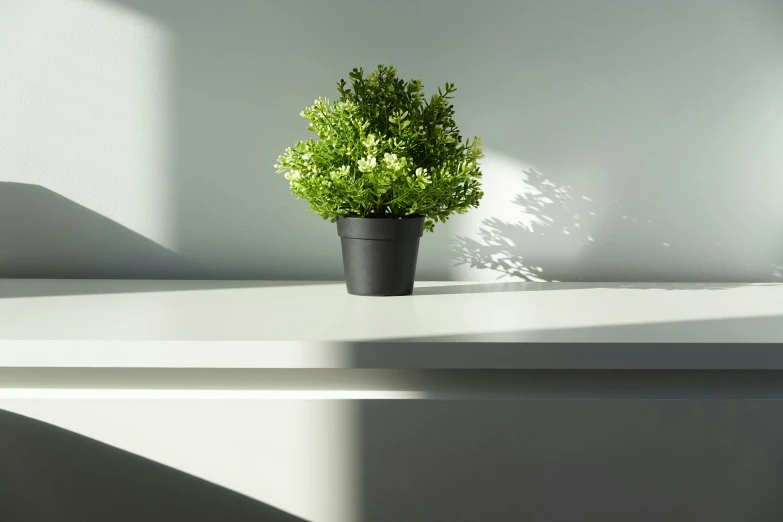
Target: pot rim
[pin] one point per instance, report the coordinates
(411, 216)
(390, 229)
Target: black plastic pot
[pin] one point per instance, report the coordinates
(379, 254)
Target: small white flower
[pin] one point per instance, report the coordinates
(421, 172)
(370, 141)
(392, 161)
(293, 177)
(366, 164)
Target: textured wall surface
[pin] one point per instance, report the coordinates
(625, 139)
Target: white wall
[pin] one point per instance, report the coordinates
(649, 130)
(85, 108)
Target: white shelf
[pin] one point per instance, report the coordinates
(277, 324)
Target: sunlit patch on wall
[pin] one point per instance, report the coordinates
(86, 111)
(525, 220)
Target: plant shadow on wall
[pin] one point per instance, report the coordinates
(549, 233)
(500, 243)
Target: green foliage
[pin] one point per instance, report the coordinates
(384, 150)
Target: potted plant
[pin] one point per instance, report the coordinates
(387, 165)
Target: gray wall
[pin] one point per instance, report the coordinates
(626, 140)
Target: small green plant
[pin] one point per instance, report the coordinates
(384, 150)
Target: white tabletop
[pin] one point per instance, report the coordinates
(312, 324)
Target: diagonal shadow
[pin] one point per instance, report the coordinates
(765, 329)
(51, 474)
(46, 235)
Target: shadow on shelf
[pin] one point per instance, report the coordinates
(590, 460)
(49, 473)
(724, 330)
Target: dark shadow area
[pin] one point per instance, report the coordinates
(543, 356)
(43, 234)
(559, 233)
(10, 288)
(572, 459)
(48, 474)
(529, 286)
(737, 343)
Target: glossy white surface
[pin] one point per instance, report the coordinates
(280, 311)
(311, 324)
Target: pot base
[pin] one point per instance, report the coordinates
(379, 255)
(379, 267)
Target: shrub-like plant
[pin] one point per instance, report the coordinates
(384, 150)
